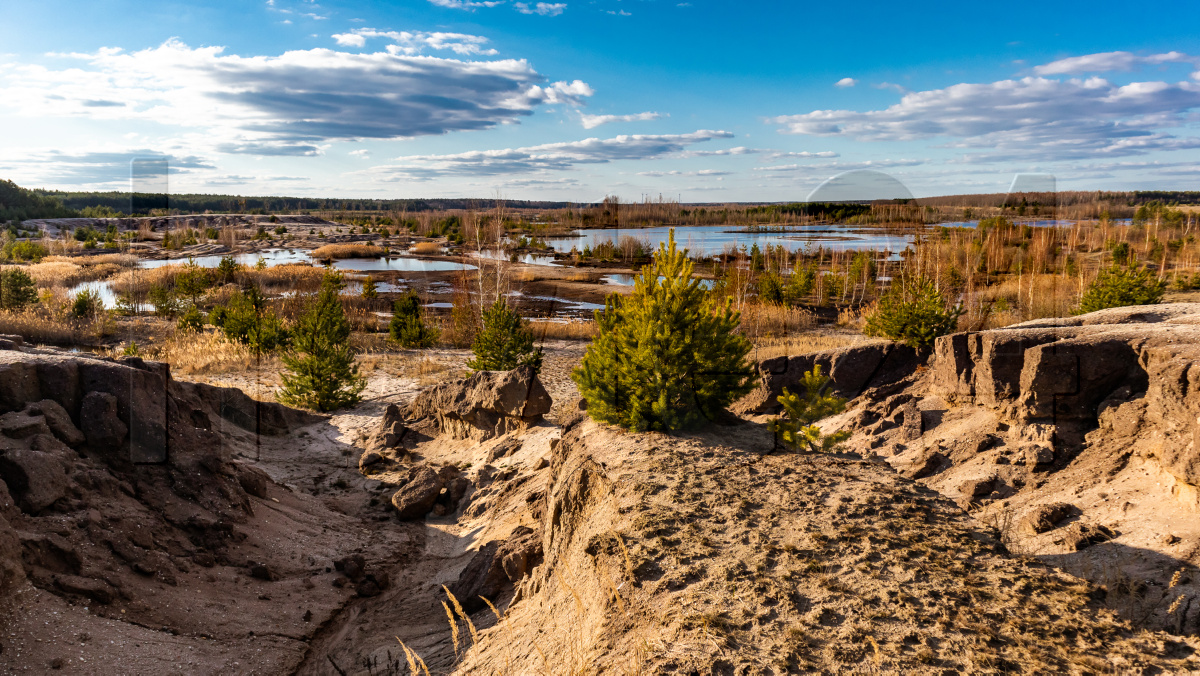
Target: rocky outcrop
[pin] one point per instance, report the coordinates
(384, 446)
(429, 489)
(497, 566)
(485, 405)
(140, 466)
(851, 371)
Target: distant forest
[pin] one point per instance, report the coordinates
(18, 203)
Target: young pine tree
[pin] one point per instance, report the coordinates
(407, 328)
(369, 289)
(321, 374)
(1118, 286)
(667, 356)
(505, 342)
(913, 312)
(17, 289)
(802, 410)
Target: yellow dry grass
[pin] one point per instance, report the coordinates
(296, 276)
(203, 353)
(806, 342)
(123, 260)
(584, 329)
(763, 321)
(39, 325)
(347, 251)
(557, 275)
(427, 248)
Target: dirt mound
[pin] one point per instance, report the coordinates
(700, 554)
(1095, 413)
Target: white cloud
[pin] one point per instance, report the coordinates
(464, 4)
(543, 158)
(287, 104)
(593, 121)
(826, 168)
(845, 82)
(676, 172)
(542, 8)
(1106, 62)
(618, 12)
(738, 150)
(803, 153)
(411, 43)
(361, 153)
(1033, 117)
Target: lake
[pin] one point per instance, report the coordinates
(274, 257)
(708, 240)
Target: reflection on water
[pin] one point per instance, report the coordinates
(273, 257)
(627, 280)
(102, 289)
(528, 259)
(707, 240)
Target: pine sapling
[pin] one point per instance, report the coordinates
(803, 410)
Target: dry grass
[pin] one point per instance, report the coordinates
(805, 343)
(347, 251)
(584, 329)
(299, 277)
(203, 353)
(123, 260)
(427, 248)
(557, 275)
(763, 321)
(39, 325)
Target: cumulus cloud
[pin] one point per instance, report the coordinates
(542, 8)
(722, 152)
(803, 153)
(545, 157)
(411, 43)
(1033, 117)
(103, 168)
(1106, 62)
(676, 172)
(293, 103)
(845, 82)
(593, 121)
(468, 5)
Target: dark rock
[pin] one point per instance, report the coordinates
(1079, 536)
(22, 425)
(101, 424)
(496, 566)
(1045, 517)
(253, 480)
(58, 420)
(51, 552)
(486, 405)
(416, 498)
(977, 488)
(35, 479)
(388, 434)
(97, 590)
(927, 465)
(353, 566)
(18, 382)
(262, 571)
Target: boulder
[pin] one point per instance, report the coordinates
(389, 432)
(253, 480)
(58, 420)
(1046, 517)
(101, 424)
(97, 590)
(486, 405)
(497, 566)
(22, 425)
(419, 493)
(851, 370)
(35, 479)
(926, 465)
(977, 488)
(1079, 536)
(50, 552)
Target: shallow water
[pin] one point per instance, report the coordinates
(273, 257)
(627, 280)
(707, 240)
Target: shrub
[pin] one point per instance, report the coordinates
(913, 312)
(667, 356)
(321, 373)
(802, 410)
(226, 269)
(407, 327)
(248, 319)
(17, 289)
(505, 342)
(25, 251)
(1118, 286)
(86, 304)
(164, 300)
(369, 289)
(191, 320)
(770, 289)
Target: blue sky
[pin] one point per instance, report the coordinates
(701, 100)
